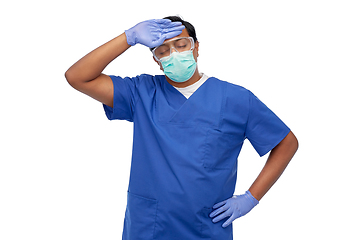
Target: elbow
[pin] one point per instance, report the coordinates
(289, 145)
(293, 143)
(71, 79)
(68, 77)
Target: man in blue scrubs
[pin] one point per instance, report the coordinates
(188, 132)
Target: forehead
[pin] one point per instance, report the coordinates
(184, 33)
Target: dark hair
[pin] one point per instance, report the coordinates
(188, 26)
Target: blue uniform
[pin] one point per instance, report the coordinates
(185, 153)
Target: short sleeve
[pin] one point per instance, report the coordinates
(125, 95)
(264, 129)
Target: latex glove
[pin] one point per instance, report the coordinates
(234, 207)
(153, 33)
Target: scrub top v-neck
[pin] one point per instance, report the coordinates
(185, 152)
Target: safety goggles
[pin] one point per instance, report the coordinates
(181, 44)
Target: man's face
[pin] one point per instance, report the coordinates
(184, 33)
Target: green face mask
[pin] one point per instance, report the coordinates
(179, 66)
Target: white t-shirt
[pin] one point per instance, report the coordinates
(189, 90)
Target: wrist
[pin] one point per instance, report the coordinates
(130, 37)
(252, 198)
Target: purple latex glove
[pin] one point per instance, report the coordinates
(153, 33)
(234, 207)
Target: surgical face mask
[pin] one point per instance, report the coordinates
(179, 66)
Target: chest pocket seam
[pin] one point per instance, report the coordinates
(220, 150)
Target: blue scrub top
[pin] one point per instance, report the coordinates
(185, 153)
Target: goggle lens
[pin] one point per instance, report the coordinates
(179, 44)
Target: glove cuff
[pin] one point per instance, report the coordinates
(252, 199)
(130, 37)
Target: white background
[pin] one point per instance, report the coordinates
(64, 167)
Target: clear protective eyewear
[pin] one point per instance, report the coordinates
(181, 44)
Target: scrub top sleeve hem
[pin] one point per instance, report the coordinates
(109, 111)
(264, 129)
(123, 99)
(266, 151)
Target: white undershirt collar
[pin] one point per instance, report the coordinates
(189, 90)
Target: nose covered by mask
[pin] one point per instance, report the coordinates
(179, 66)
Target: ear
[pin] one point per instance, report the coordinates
(158, 64)
(196, 49)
